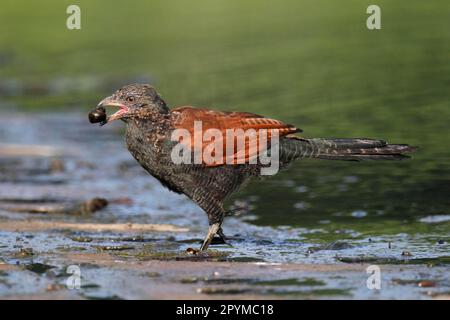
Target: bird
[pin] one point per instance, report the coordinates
(150, 125)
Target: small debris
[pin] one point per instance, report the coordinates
(427, 284)
(192, 251)
(113, 248)
(38, 268)
(152, 274)
(133, 239)
(90, 206)
(25, 252)
(308, 282)
(56, 165)
(406, 253)
(122, 201)
(190, 280)
(419, 283)
(81, 239)
(223, 290)
(54, 287)
(90, 286)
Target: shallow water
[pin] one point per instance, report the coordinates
(310, 63)
(315, 213)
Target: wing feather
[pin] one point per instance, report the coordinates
(250, 123)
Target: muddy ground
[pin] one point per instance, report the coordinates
(74, 205)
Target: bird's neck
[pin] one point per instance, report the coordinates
(148, 122)
(149, 129)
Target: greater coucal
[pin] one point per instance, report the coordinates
(150, 124)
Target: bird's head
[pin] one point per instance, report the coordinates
(133, 100)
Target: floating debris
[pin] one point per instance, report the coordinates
(90, 297)
(113, 248)
(122, 201)
(57, 165)
(427, 284)
(291, 282)
(90, 286)
(38, 268)
(152, 274)
(223, 290)
(54, 287)
(81, 239)
(90, 206)
(25, 252)
(419, 283)
(192, 251)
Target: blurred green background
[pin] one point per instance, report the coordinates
(312, 63)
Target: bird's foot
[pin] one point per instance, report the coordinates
(220, 238)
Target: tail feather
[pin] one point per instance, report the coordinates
(352, 149)
(344, 143)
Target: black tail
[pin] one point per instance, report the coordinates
(352, 149)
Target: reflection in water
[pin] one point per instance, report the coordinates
(342, 192)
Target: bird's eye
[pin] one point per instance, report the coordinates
(130, 99)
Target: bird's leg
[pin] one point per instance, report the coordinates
(213, 229)
(215, 213)
(222, 235)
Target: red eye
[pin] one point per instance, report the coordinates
(130, 99)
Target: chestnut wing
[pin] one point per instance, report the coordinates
(226, 123)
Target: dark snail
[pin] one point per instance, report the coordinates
(98, 115)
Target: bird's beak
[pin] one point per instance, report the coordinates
(110, 102)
